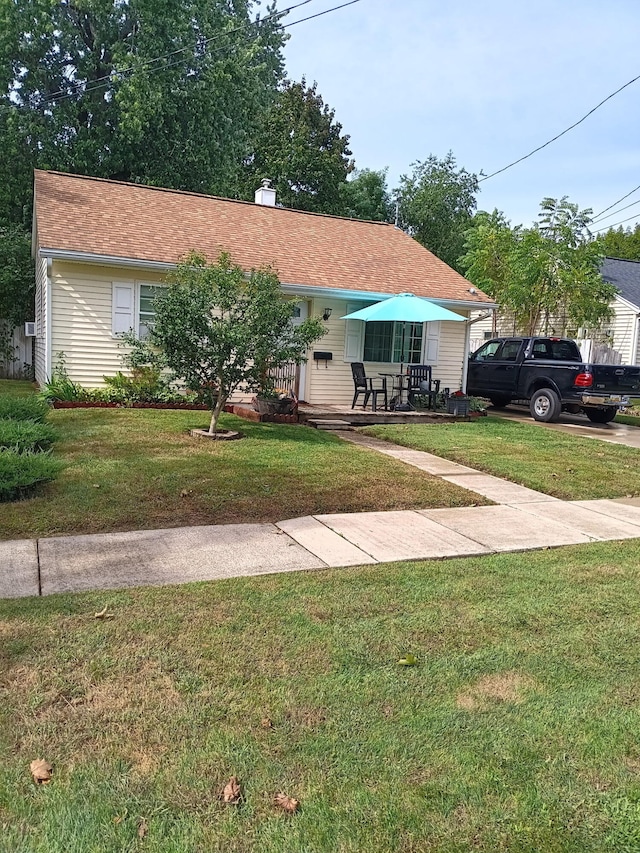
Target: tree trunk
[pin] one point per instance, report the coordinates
(220, 404)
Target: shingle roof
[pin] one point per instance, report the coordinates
(110, 218)
(625, 275)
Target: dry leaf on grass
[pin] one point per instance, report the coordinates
(143, 827)
(287, 804)
(266, 723)
(41, 771)
(232, 792)
(103, 614)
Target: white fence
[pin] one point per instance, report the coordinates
(20, 366)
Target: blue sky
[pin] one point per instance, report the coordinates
(489, 81)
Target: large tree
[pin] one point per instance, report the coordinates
(546, 275)
(301, 148)
(366, 196)
(436, 204)
(622, 243)
(166, 92)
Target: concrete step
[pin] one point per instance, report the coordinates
(321, 423)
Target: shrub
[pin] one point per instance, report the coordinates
(20, 473)
(25, 435)
(145, 385)
(60, 387)
(28, 408)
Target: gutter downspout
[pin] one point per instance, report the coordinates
(467, 336)
(47, 340)
(635, 359)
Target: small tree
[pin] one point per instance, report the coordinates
(216, 328)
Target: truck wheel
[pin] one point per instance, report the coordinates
(545, 405)
(601, 416)
(499, 402)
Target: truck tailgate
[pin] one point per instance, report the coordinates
(616, 379)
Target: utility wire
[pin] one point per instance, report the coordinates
(105, 81)
(615, 224)
(615, 212)
(575, 124)
(107, 78)
(615, 203)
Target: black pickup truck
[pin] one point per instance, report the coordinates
(549, 373)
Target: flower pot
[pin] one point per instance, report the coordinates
(458, 406)
(269, 406)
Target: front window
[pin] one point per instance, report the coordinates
(147, 310)
(393, 343)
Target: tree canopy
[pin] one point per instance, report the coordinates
(300, 147)
(622, 243)
(366, 196)
(215, 328)
(167, 94)
(436, 204)
(546, 274)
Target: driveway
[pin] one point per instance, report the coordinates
(577, 425)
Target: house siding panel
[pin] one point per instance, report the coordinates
(82, 320)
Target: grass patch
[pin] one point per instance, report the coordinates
(23, 408)
(22, 471)
(16, 387)
(552, 462)
(134, 469)
(516, 730)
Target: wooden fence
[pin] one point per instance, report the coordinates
(20, 366)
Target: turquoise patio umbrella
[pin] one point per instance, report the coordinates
(404, 308)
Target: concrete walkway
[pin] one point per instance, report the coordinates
(521, 520)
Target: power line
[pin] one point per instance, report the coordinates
(575, 124)
(615, 203)
(615, 212)
(615, 224)
(105, 81)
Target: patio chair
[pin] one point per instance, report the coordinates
(421, 383)
(365, 385)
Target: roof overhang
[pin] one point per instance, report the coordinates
(627, 303)
(292, 289)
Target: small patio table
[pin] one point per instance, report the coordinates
(400, 383)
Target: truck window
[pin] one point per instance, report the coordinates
(486, 352)
(509, 351)
(556, 350)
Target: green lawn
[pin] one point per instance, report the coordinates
(558, 464)
(16, 387)
(517, 730)
(130, 469)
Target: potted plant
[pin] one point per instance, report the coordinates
(275, 401)
(458, 404)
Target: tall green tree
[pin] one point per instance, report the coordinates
(301, 148)
(167, 92)
(366, 196)
(436, 203)
(622, 243)
(16, 285)
(216, 328)
(546, 275)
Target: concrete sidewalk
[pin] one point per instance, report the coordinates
(521, 520)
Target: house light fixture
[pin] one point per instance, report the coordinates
(326, 314)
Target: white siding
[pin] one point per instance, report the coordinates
(333, 383)
(40, 345)
(81, 319)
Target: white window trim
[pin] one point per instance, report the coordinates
(136, 286)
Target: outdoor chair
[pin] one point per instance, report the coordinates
(364, 385)
(422, 384)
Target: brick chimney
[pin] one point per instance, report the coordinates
(265, 194)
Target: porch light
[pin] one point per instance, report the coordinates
(326, 314)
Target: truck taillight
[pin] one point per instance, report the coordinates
(584, 380)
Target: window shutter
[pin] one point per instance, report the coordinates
(432, 342)
(354, 335)
(123, 307)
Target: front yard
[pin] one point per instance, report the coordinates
(516, 730)
(561, 465)
(129, 469)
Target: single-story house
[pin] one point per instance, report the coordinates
(102, 247)
(617, 341)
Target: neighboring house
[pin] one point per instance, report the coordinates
(103, 247)
(618, 339)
